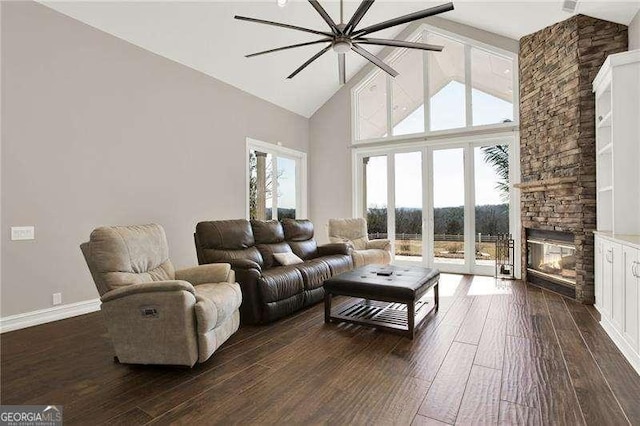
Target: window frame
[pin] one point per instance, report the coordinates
(276, 150)
(469, 128)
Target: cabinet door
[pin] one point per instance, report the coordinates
(607, 278)
(617, 288)
(598, 257)
(631, 323)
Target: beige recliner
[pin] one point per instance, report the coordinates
(155, 314)
(365, 251)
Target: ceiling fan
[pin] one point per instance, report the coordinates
(344, 37)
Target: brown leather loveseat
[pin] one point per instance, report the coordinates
(269, 290)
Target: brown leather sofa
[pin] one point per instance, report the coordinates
(269, 290)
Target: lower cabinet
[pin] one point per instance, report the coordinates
(617, 293)
(631, 324)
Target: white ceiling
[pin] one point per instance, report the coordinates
(204, 36)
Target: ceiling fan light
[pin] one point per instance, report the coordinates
(341, 46)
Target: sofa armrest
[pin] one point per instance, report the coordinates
(381, 244)
(237, 264)
(203, 274)
(150, 287)
(334, 248)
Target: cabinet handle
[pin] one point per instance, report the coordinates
(600, 118)
(634, 270)
(609, 258)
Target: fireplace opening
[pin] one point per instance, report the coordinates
(551, 261)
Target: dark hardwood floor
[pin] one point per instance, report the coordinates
(494, 353)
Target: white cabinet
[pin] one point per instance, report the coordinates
(617, 241)
(612, 274)
(617, 291)
(631, 324)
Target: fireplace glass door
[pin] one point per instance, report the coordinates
(555, 261)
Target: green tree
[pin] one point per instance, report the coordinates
(253, 183)
(498, 157)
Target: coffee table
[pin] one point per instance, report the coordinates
(398, 303)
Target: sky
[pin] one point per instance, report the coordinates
(286, 183)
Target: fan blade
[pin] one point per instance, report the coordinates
(399, 43)
(374, 60)
(358, 15)
(313, 58)
(318, 7)
(404, 19)
(342, 69)
(278, 24)
(324, 40)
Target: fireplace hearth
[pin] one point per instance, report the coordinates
(551, 261)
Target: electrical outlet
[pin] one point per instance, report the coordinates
(57, 299)
(19, 233)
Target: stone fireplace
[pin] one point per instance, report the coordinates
(557, 144)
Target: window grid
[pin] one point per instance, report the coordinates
(468, 48)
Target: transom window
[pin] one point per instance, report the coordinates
(467, 85)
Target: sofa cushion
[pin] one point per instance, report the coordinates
(123, 255)
(305, 250)
(351, 230)
(338, 263)
(225, 234)
(314, 272)
(211, 340)
(286, 259)
(280, 283)
(228, 256)
(267, 231)
(268, 250)
(369, 257)
(297, 229)
(215, 303)
(226, 240)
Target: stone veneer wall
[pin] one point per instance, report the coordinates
(557, 132)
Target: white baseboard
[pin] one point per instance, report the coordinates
(42, 316)
(629, 353)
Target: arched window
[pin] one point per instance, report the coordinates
(466, 86)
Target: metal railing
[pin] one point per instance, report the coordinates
(482, 238)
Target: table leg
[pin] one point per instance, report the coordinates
(411, 319)
(327, 307)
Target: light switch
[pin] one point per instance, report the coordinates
(19, 233)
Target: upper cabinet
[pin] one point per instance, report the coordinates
(617, 91)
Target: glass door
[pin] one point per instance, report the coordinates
(375, 195)
(491, 201)
(440, 205)
(408, 207)
(392, 201)
(449, 234)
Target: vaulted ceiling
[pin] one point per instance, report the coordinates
(204, 36)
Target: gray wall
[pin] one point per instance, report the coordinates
(96, 131)
(330, 184)
(634, 33)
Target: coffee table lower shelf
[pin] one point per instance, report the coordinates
(400, 318)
